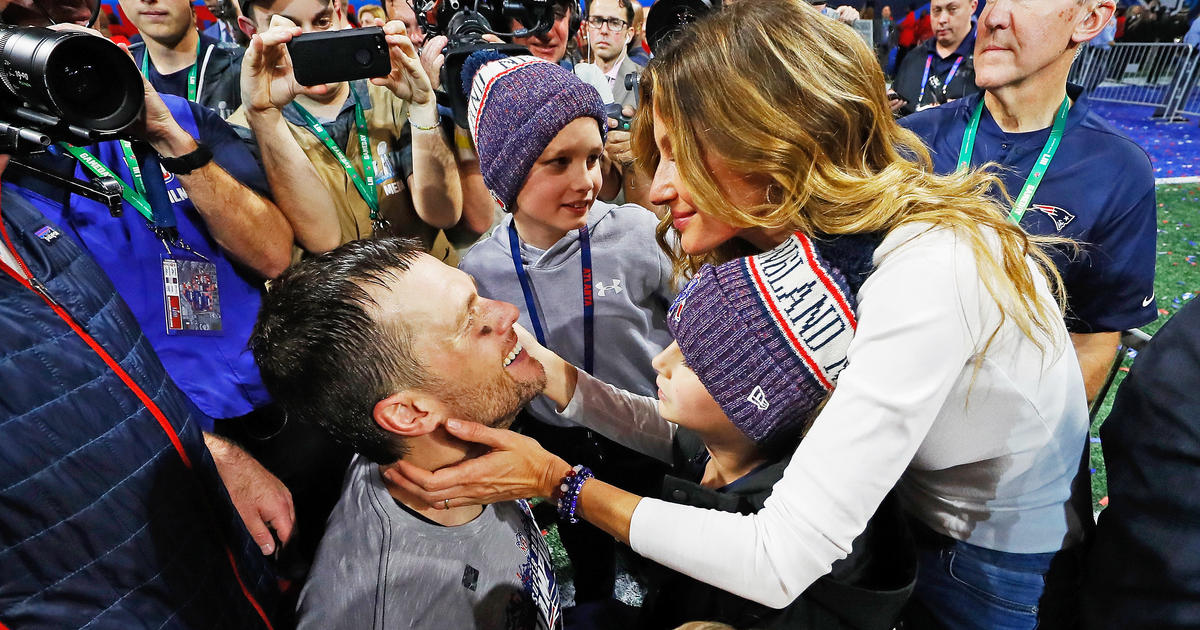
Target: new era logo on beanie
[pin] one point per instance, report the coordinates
(515, 107)
(767, 335)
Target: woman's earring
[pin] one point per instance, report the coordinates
(774, 194)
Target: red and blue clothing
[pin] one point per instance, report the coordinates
(112, 518)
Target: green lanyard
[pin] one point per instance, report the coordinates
(1039, 167)
(191, 73)
(365, 188)
(136, 198)
(127, 149)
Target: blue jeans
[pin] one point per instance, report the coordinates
(964, 586)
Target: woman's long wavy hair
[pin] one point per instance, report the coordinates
(795, 100)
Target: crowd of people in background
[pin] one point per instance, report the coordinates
(789, 326)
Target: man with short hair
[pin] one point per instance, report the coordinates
(179, 60)
(382, 345)
(608, 33)
(941, 69)
(311, 141)
(1071, 174)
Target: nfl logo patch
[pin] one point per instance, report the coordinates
(47, 233)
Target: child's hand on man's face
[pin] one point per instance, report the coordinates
(560, 375)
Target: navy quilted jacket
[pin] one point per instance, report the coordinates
(102, 524)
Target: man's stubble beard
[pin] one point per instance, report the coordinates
(494, 403)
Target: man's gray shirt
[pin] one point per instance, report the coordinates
(381, 566)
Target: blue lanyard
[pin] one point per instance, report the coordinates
(925, 77)
(589, 309)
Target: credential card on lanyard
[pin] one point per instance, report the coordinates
(191, 295)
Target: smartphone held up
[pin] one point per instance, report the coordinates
(342, 55)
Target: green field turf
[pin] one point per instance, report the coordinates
(1177, 279)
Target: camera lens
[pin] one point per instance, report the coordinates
(362, 56)
(84, 79)
(669, 18)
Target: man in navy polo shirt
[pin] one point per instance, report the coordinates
(942, 68)
(1098, 187)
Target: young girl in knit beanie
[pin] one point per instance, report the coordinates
(589, 278)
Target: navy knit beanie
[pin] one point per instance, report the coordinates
(515, 107)
(767, 335)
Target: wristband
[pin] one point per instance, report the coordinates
(187, 162)
(436, 124)
(568, 492)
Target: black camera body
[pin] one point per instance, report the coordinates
(465, 26)
(337, 56)
(74, 87)
(63, 85)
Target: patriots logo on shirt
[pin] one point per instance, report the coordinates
(1060, 217)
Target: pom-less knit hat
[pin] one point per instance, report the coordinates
(767, 335)
(515, 107)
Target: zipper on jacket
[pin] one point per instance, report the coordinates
(29, 280)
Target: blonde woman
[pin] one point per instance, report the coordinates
(961, 391)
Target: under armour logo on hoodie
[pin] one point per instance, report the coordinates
(615, 287)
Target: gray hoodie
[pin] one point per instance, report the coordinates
(631, 286)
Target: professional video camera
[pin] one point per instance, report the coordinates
(465, 22)
(62, 85)
(667, 18)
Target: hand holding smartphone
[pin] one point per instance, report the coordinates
(337, 56)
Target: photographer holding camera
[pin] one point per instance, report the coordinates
(228, 237)
(479, 209)
(312, 138)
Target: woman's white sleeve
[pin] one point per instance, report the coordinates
(912, 343)
(624, 417)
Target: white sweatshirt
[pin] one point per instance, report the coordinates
(982, 455)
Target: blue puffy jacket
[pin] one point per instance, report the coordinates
(108, 518)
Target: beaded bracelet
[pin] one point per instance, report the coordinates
(568, 492)
(436, 124)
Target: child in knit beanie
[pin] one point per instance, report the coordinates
(588, 277)
(759, 344)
